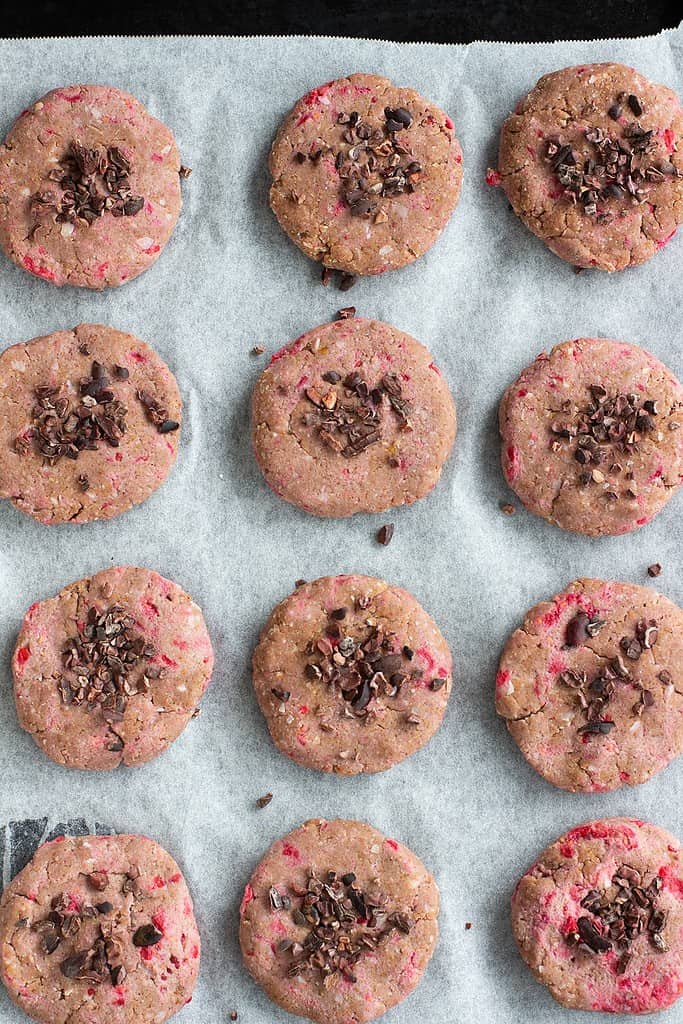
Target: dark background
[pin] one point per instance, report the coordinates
(427, 20)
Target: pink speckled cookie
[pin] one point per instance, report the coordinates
(99, 930)
(591, 685)
(365, 174)
(90, 424)
(599, 917)
(592, 163)
(338, 923)
(351, 674)
(591, 436)
(111, 670)
(353, 416)
(89, 187)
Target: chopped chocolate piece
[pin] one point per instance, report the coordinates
(63, 427)
(343, 923)
(385, 533)
(147, 935)
(91, 182)
(100, 663)
(156, 413)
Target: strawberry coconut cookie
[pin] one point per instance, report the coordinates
(90, 424)
(99, 930)
(599, 917)
(338, 923)
(111, 670)
(591, 688)
(591, 436)
(366, 175)
(89, 187)
(351, 674)
(592, 162)
(353, 416)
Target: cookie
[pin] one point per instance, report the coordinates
(111, 670)
(590, 686)
(89, 187)
(599, 917)
(98, 929)
(338, 923)
(366, 174)
(351, 674)
(90, 424)
(353, 416)
(592, 162)
(591, 436)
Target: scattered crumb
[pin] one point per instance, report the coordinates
(654, 569)
(257, 350)
(263, 801)
(507, 508)
(468, 925)
(385, 533)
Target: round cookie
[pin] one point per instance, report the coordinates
(89, 187)
(365, 174)
(99, 929)
(111, 670)
(386, 905)
(599, 917)
(351, 674)
(352, 417)
(592, 162)
(90, 424)
(590, 686)
(591, 436)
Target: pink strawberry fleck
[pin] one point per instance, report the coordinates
(37, 269)
(247, 898)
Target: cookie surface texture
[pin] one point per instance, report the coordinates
(91, 424)
(99, 929)
(599, 917)
(353, 416)
(592, 436)
(110, 670)
(89, 187)
(366, 174)
(351, 674)
(387, 904)
(592, 162)
(590, 685)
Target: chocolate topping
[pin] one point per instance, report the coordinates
(594, 695)
(619, 915)
(106, 663)
(349, 413)
(342, 922)
(612, 167)
(90, 182)
(607, 428)
(64, 427)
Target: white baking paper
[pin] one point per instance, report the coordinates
(486, 299)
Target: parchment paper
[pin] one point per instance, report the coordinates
(486, 299)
